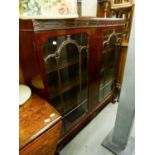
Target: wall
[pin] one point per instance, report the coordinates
(89, 7)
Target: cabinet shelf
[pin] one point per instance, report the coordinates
(70, 103)
(54, 91)
(75, 115)
(71, 108)
(103, 68)
(64, 64)
(66, 86)
(106, 78)
(106, 89)
(102, 86)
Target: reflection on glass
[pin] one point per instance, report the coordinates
(108, 69)
(74, 117)
(66, 59)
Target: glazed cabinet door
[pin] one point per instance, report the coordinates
(109, 64)
(64, 60)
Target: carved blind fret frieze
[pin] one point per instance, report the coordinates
(40, 25)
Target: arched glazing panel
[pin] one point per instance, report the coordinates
(66, 59)
(110, 59)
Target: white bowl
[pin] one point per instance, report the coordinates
(24, 94)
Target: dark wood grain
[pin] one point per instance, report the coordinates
(32, 116)
(21, 77)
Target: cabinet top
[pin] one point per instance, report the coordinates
(81, 22)
(35, 117)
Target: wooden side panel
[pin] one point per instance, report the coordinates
(45, 144)
(27, 55)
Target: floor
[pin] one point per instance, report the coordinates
(88, 141)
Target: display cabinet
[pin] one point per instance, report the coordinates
(73, 64)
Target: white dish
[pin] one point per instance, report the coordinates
(24, 94)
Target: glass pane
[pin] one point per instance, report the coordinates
(69, 75)
(108, 88)
(84, 72)
(107, 72)
(50, 65)
(52, 79)
(71, 99)
(56, 102)
(75, 116)
(69, 54)
(67, 71)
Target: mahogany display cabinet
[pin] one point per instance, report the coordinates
(73, 64)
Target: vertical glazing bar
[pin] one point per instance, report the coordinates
(105, 69)
(80, 74)
(104, 59)
(60, 85)
(116, 61)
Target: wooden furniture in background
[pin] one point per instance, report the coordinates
(103, 8)
(40, 126)
(117, 9)
(73, 64)
(126, 12)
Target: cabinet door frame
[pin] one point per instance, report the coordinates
(40, 39)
